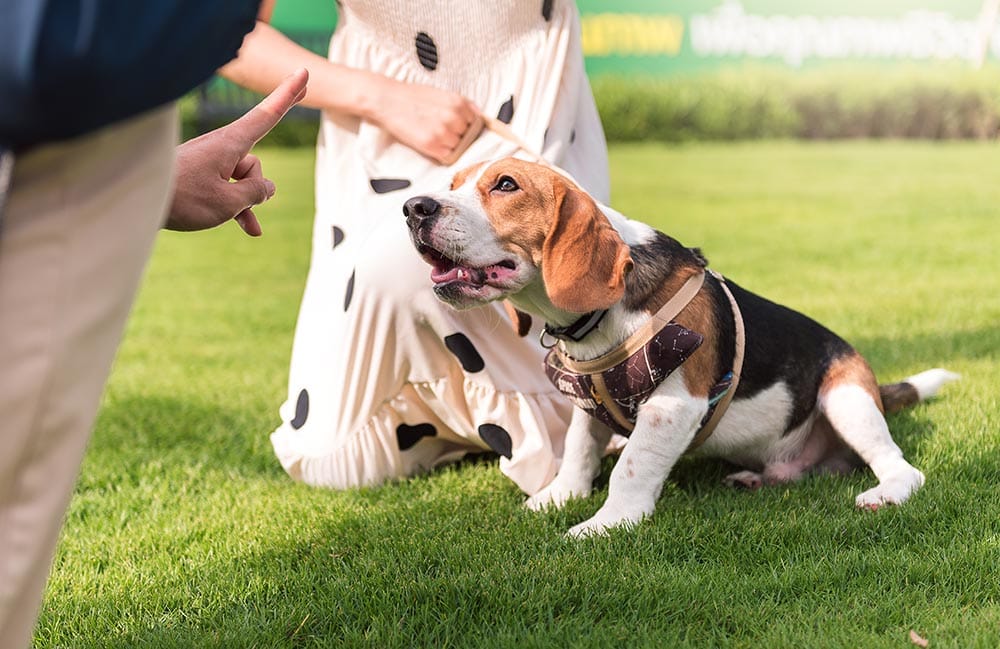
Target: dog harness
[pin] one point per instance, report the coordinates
(612, 387)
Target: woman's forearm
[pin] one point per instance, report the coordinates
(427, 119)
(268, 56)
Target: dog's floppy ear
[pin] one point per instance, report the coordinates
(584, 260)
(518, 318)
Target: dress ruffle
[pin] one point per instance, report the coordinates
(372, 454)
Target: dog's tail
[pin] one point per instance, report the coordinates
(913, 390)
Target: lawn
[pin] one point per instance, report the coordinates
(185, 532)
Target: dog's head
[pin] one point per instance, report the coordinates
(505, 225)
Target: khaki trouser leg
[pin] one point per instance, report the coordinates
(78, 229)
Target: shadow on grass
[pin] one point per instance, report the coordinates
(383, 566)
(933, 349)
(135, 430)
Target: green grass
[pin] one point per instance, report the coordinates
(185, 532)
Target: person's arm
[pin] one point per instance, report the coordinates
(216, 179)
(427, 119)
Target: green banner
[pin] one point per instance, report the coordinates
(660, 37)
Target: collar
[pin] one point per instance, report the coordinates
(574, 331)
(637, 340)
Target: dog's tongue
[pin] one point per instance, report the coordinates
(443, 275)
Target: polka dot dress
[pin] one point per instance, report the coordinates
(385, 380)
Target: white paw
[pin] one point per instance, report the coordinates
(894, 490)
(604, 521)
(744, 480)
(555, 496)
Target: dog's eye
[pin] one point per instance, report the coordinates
(506, 184)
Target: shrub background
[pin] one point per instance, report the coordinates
(735, 103)
(830, 102)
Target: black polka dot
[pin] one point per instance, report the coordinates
(547, 9)
(338, 236)
(465, 351)
(572, 136)
(407, 436)
(506, 111)
(350, 291)
(427, 51)
(497, 438)
(301, 410)
(384, 185)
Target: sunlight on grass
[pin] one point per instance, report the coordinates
(185, 532)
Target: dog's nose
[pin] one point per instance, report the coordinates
(420, 207)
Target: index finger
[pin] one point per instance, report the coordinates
(264, 116)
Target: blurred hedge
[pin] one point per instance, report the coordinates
(752, 102)
(830, 102)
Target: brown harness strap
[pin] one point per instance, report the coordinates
(727, 398)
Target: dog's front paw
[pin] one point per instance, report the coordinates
(555, 495)
(605, 520)
(894, 490)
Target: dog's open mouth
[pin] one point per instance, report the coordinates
(446, 270)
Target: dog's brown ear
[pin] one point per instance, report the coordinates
(520, 319)
(584, 260)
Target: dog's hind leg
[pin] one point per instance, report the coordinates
(746, 479)
(586, 440)
(666, 425)
(818, 442)
(849, 398)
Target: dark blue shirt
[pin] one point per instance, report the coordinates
(68, 67)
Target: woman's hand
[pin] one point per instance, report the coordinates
(429, 120)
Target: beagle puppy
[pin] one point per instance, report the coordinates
(784, 395)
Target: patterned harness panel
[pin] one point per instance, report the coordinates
(630, 383)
